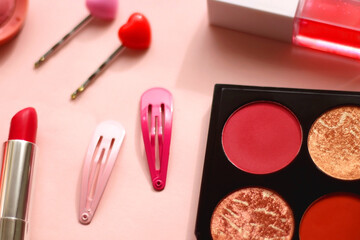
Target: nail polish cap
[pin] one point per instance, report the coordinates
(272, 19)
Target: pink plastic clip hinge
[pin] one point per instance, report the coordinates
(99, 162)
(156, 123)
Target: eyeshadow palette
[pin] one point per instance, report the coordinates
(281, 164)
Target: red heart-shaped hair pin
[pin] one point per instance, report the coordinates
(134, 34)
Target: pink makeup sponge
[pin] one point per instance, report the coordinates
(103, 9)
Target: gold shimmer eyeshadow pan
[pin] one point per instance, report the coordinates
(334, 142)
(281, 163)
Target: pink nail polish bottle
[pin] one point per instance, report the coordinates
(328, 25)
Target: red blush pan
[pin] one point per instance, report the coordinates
(261, 137)
(332, 218)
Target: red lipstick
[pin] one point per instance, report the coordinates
(16, 174)
(24, 125)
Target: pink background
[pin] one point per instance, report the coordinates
(188, 57)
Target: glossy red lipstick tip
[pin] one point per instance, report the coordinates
(24, 125)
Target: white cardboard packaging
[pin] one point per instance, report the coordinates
(267, 18)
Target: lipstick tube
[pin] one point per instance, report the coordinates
(16, 176)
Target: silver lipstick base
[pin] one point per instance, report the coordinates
(11, 228)
(16, 179)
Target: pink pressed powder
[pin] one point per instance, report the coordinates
(262, 137)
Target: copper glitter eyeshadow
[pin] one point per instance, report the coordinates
(252, 213)
(300, 145)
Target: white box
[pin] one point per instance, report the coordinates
(268, 18)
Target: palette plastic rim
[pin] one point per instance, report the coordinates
(216, 120)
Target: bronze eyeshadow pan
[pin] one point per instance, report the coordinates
(252, 213)
(300, 147)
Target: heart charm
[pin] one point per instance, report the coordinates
(136, 33)
(103, 9)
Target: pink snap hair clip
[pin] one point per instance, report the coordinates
(99, 162)
(100, 9)
(156, 123)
